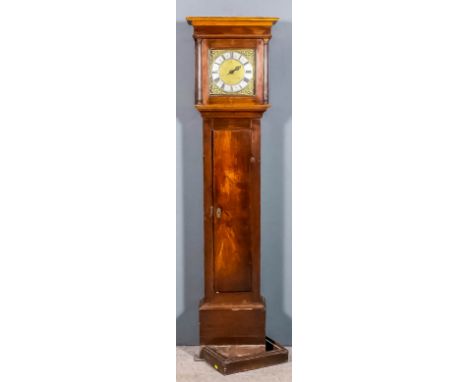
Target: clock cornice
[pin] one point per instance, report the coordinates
(227, 21)
(232, 27)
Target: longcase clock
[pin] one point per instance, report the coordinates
(231, 93)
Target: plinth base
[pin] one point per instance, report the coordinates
(229, 359)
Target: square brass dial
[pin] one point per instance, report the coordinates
(232, 72)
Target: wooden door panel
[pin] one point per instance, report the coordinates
(232, 228)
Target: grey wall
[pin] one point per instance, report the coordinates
(275, 176)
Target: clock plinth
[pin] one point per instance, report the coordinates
(231, 94)
(232, 321)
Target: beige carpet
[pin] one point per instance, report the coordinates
(190, 370)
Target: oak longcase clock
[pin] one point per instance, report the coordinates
(231, 93)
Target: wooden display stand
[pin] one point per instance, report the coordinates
(231, 93)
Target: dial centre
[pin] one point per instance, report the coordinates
(231, 72)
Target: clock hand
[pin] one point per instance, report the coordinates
(235, 69)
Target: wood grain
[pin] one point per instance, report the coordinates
(232, 229)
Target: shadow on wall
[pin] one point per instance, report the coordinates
(276, 185)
